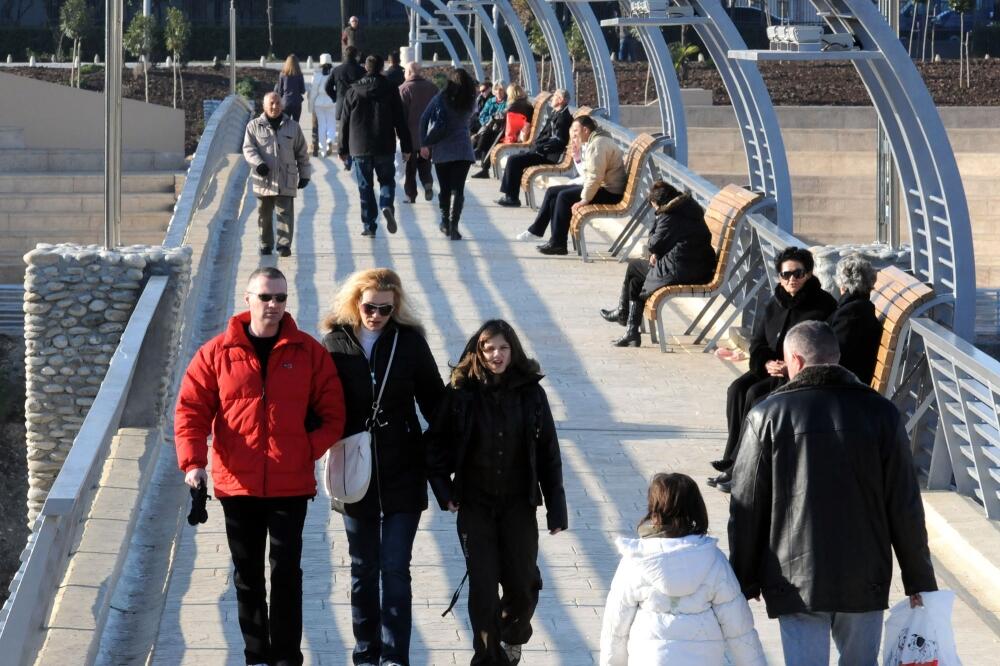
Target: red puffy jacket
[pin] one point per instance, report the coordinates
(260, 446)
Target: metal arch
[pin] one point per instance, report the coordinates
(432, 23)
(529, 72)
(600, 57)
(758, 122)
(492, 36)
(556, 41)
(470, 48)
(940, 229)
(673, 120)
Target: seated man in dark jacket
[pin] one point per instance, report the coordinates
(548, 148)
(858, 330)
(824, 491)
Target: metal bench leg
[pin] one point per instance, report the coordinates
(581, 244)
(704, 310)
(661, 332)
(634, 222)
(737, 308)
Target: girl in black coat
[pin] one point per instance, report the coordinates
(292, 88)
(369, 316)
(798, 297)
(680, 252)
(493, 457)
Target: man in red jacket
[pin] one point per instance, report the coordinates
(251, 388)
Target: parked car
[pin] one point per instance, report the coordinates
(948, 23)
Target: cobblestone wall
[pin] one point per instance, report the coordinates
(77, 302)
(880, 256)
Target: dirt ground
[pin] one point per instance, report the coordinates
(13, 465)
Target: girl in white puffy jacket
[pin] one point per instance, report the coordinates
(674, 599)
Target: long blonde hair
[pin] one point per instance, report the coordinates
(291, 67)
(344, 310)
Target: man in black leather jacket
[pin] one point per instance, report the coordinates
(824, 490)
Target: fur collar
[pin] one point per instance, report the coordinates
(822, 376)
(674, 203)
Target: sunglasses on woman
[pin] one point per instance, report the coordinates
(266, 298)
(798, 274)
(382, 310)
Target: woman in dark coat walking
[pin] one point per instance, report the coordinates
(680, 252)
(369, 318)
(451, 149)
(854, 321)
(798, 297)
(292, 87)
(495, 434)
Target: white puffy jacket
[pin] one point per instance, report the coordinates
(676, 602)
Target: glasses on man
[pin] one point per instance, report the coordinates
(383, 310)
(266, 298)
(798, 274)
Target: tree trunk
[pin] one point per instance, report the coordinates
(923, 34)
(913, 25)
(145, 76)
(270, 27)
(180, 76)
(173, 69)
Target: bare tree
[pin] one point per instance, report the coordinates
(176, 34)
(139, 40)
(74, 19)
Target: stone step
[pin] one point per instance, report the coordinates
(829, 117)
(11, 137)
(832, 163)
(42, 227)
(719, 139)
(836, 184)
(140, 202)
(14, 248)
(35, 160)
(81, 182)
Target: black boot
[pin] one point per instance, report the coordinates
(631, 337)
(456, 214)
(619, 314)
(444, 203)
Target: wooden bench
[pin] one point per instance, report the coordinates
(635, 162)
(897, 296)
(507, 150)
(723, 215)
(563, 168)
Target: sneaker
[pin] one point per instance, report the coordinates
(428, 193)
(528, 236)
(551, 249)
(390, 219)
(509, 202)
(284, 251)
(513, 652)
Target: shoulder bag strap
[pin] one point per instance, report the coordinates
(376, 406)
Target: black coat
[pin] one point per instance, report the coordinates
(344, 76)
(824, 489)
(682, 243)
(398, 471)
(395, 75)
(780, 314)
(292, 89)
(553, 136)
(450, 434)
(371, 117)
(859, 334)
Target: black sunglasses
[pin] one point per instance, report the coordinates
(798, 274)
(266, 298)
(383, 310)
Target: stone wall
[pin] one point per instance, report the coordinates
(880, 256)
(77, 302)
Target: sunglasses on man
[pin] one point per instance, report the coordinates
(382, 310)
(798, 274)
(266, 298)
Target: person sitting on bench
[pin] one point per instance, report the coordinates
(548, 148)
(492, 120)
(516, 124)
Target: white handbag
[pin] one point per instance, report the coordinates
(348, 466)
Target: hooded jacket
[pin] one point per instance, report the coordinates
(676, 602)
(783, 311)
(824, 491)
(682, 243)
(260, 446)
(603, 166)
(371, 118)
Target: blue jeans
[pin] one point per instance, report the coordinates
(383, 167)
(805, 638)
(381, 548)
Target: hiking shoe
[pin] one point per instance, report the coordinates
(390, 219)
(548, 248)
(284, 251)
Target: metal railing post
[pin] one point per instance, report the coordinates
(232, 47)
(112, 123)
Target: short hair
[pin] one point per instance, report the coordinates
(675, 505)
(486, 84)
(373, 64)
(350, 54)
(413, 68)
(814, 341)
(499, 84)
(269, 272)
(661, 192)
(561, 92)
(793, 253)
(586, 121)
(855, 275)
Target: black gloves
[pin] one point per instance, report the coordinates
(262, 170)
(303, 182)
(198, 514)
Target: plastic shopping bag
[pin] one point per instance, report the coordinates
(921, 636)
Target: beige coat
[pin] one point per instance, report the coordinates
(603, 166)
(284, 152)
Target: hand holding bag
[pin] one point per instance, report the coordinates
(348, 467)
(921, 636)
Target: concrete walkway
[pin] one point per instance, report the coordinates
(622, 416)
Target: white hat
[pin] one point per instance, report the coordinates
(326, 59)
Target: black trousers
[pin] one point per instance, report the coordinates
(483, 142)
(500, 542)
(276, 637)
(416, 164)
(635, 278)
(549, 204)
(562, 211)
(745, 392)
(451, 180)
(510, 184)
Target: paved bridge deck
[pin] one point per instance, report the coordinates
(622, 415)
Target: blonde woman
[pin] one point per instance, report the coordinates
(291, 87)
(519, 113)
(370, 321)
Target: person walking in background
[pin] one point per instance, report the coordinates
(291, 87)
(351, 35)
(345, 75)
(451, 150)
(275, 148)
(250, 388)
(674, 600)
(493, 456)
(416, 94)
(370, 120)
(323, 106)
(547, 148)
(824, 492)
(394, 74)
(372, 329)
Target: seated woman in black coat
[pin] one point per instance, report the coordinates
(858, 330)
(798, 297)
(680, 252)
